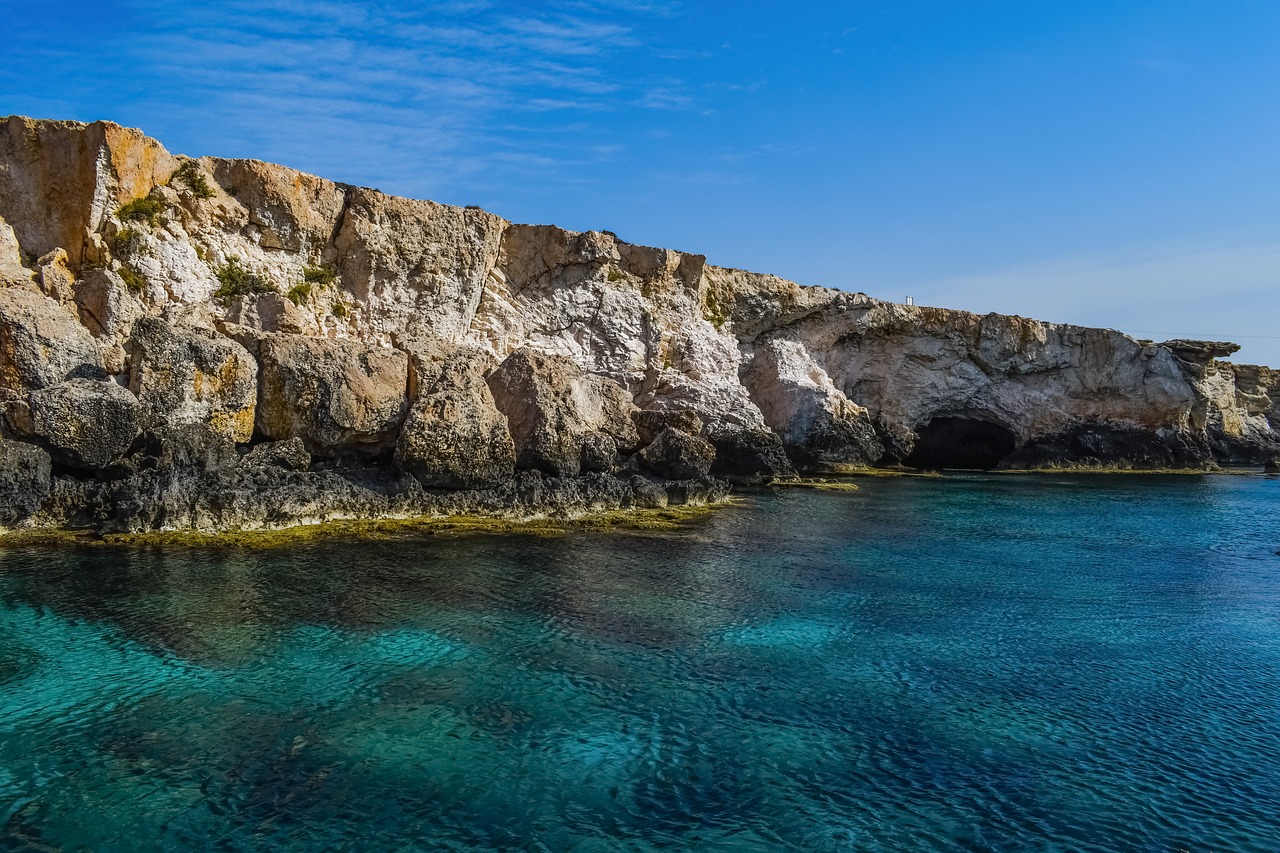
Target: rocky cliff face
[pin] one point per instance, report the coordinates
(206, 342)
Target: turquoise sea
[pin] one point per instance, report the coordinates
(1002, 663)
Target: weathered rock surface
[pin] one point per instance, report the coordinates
(59, 179)
(454, 436)
(677, 455)
(13, 272)
(184, 373)
(290, 454)
(809, 413)
(25, 480)
(107, 308)
(376, 355)
(83, 423)
(41, 343)
(563, 420)
(54, 278)
(332, 395)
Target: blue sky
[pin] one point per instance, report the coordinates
(1109, 163)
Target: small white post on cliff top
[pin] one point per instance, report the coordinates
(910, 301)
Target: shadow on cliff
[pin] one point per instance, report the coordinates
(957, 441)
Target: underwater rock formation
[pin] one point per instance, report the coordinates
(227, 343)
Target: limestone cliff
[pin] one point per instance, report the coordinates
(210, 342)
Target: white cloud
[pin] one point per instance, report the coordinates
(372, 91)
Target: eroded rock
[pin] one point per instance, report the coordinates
(185, 373)
(331, 394)
(13, 272)
(53, 276)
(677, 455)
(560, 416)
(533, 347)
(25, 480)
(290, 454)
(84, 423)
(41, 344)
(454, 436)
(817, 423)
(415, 267)
(107, 308)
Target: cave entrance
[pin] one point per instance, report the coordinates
(954, 441)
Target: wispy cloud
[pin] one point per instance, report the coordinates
(419, 96)
(1230, 290)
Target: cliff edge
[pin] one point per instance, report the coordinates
(221, 343)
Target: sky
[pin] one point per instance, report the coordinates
(1111, 163)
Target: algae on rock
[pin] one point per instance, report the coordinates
(261, 347)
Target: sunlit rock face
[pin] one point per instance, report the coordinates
(408, 353)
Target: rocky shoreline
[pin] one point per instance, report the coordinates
(212, 344)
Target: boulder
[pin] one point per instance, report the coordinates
(41, 344)
(333, 395)
(84, 423)
(646, 494)
(560, 416)
(1271, 466)
(107, 308)
(651, 423)
(25, 480)
(186, 374)
(695, 492)
(454, 437)
(290, 455)
(599, 453)
(677, 455)
(745, 455)
(183, 449)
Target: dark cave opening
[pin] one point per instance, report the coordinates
(958, 442)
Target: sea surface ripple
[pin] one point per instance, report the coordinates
(979, 663)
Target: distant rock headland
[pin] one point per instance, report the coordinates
(222, 344)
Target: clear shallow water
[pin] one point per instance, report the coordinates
(982, 663)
